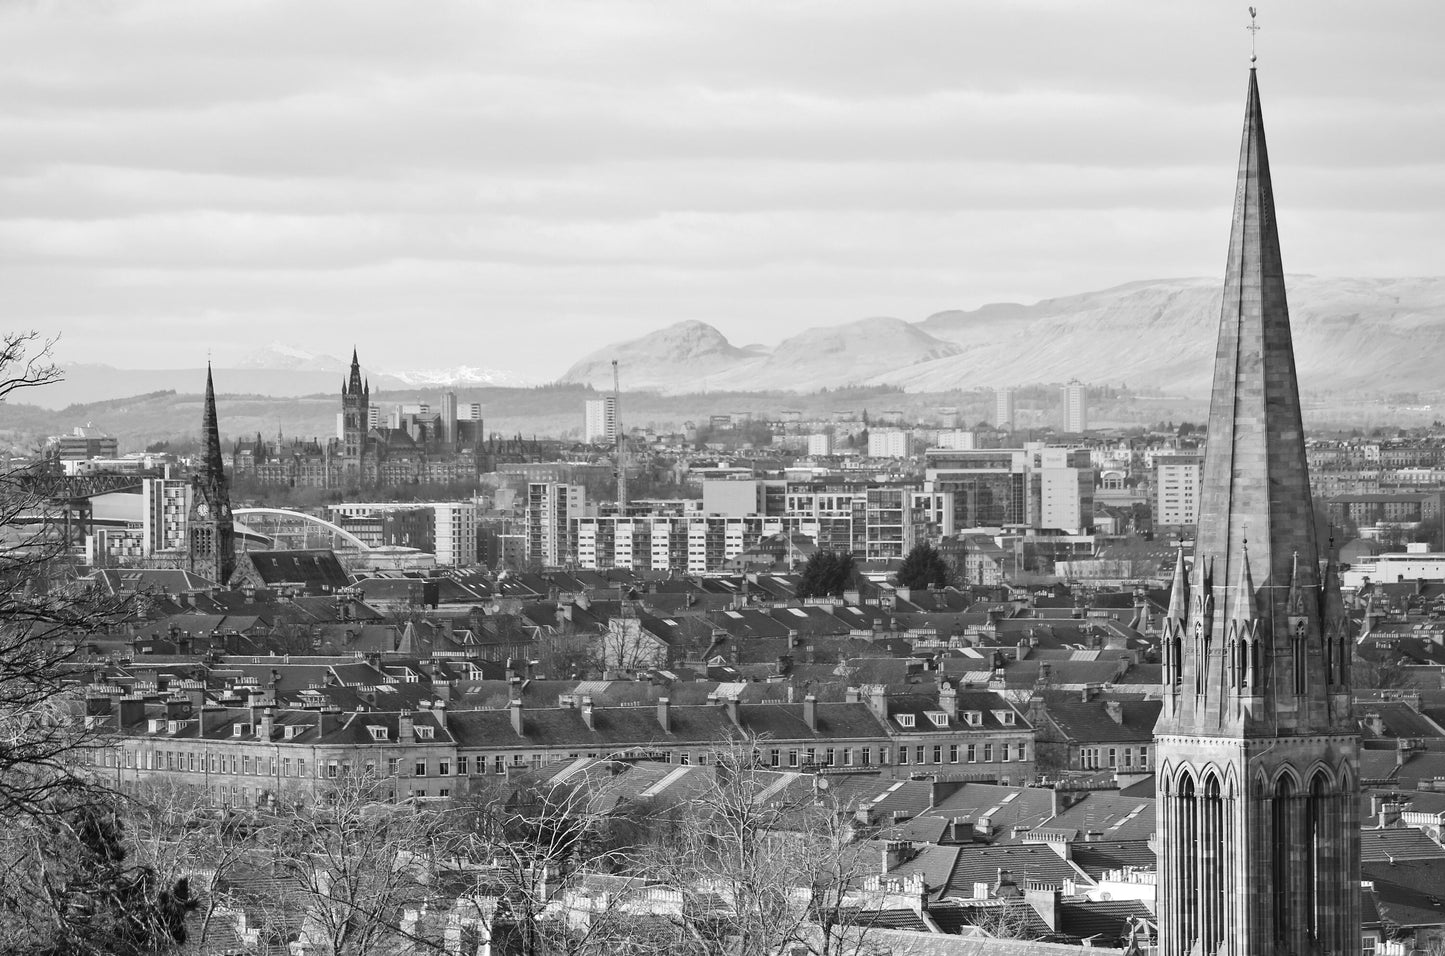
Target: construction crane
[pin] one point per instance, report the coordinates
(621, 442)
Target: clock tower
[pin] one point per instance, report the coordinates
(210, 530)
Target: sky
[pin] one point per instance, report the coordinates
(514, 184)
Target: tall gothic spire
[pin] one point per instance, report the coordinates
(1255, 480)
(353, 385)
(211, 457)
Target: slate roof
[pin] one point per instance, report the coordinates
(1090, 722)
(1095, 858)
(952, 871)
(1398, 843)
(1109, 920)
(318, 569)
(1004, 807)
(1111, 816)
(1408, 893)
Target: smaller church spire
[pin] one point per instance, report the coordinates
(211, 457)
(1242, 606)
(1179, 590)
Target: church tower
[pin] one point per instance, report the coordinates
(355, 407)
(210, 531)
(1257, 752)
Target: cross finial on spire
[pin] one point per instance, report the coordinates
(1253, 29)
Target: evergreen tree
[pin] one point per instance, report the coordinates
(923, 567)
(827, 574)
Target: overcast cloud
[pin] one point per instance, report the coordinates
(514, 184)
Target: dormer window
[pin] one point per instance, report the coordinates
(240, 730)
(378, 733)
(974, 718)
(290, 731)
(155, 725)
(173, 726)
(424, 733)
(939, 718)
(904, 720)
(1005, 717)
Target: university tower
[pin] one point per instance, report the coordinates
(1257, 752)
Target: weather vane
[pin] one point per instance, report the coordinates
(1253, 29)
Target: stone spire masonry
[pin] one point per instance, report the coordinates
(1257, 752)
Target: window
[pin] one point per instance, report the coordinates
(904, 720)
(1023, 751)
(419, 769)
(272, 764)
(938, 753)
(1367, 945)
(972, 753)
(191, 763)
(847, 756)
(444, 768)
(246, 765)
(988, 753)
(424, 733)
(1128, 758)
(953, 753)
(331, 768)
(867, 756)
(461, 766)
(499, 764)
(1003, 752)
(300, 768)
(902, 755)
(444, 792)
(773, 758)
(918, 754)
(685, 758)
(378, 733)
(1143, 758)
(392, 763)
(1112, 758)
(792, 758)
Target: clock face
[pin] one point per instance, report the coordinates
(203, 510)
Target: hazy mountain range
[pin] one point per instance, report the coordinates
(1352, 336)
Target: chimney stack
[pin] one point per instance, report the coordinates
(810, 712)
(664, 714)
(516, 708)
(587, 713)
(405, 728)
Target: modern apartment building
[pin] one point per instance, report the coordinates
(1076, 407)
(1003, 408)
(1178, 483)
(551, 510)
(1030, 487)
(889, 443)
(599, 425)
(451, 526)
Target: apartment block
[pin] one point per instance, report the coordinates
(1178, 484)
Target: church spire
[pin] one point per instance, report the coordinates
(1255, 477)
(212, 461)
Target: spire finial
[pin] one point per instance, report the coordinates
(1253, 29)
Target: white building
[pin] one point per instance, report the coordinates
(889, 443)
(454, 525)
(820, 445)
(1178, 484)
(1003, 408)
(1064, 478)
(957, 440)
(600, 420)
(1076, 407)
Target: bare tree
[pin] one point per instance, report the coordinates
(348, 867)
(758, 871)
(60, 833)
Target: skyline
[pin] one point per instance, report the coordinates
(193, 177)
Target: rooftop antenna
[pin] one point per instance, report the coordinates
(621, 442)
(1253, 29)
